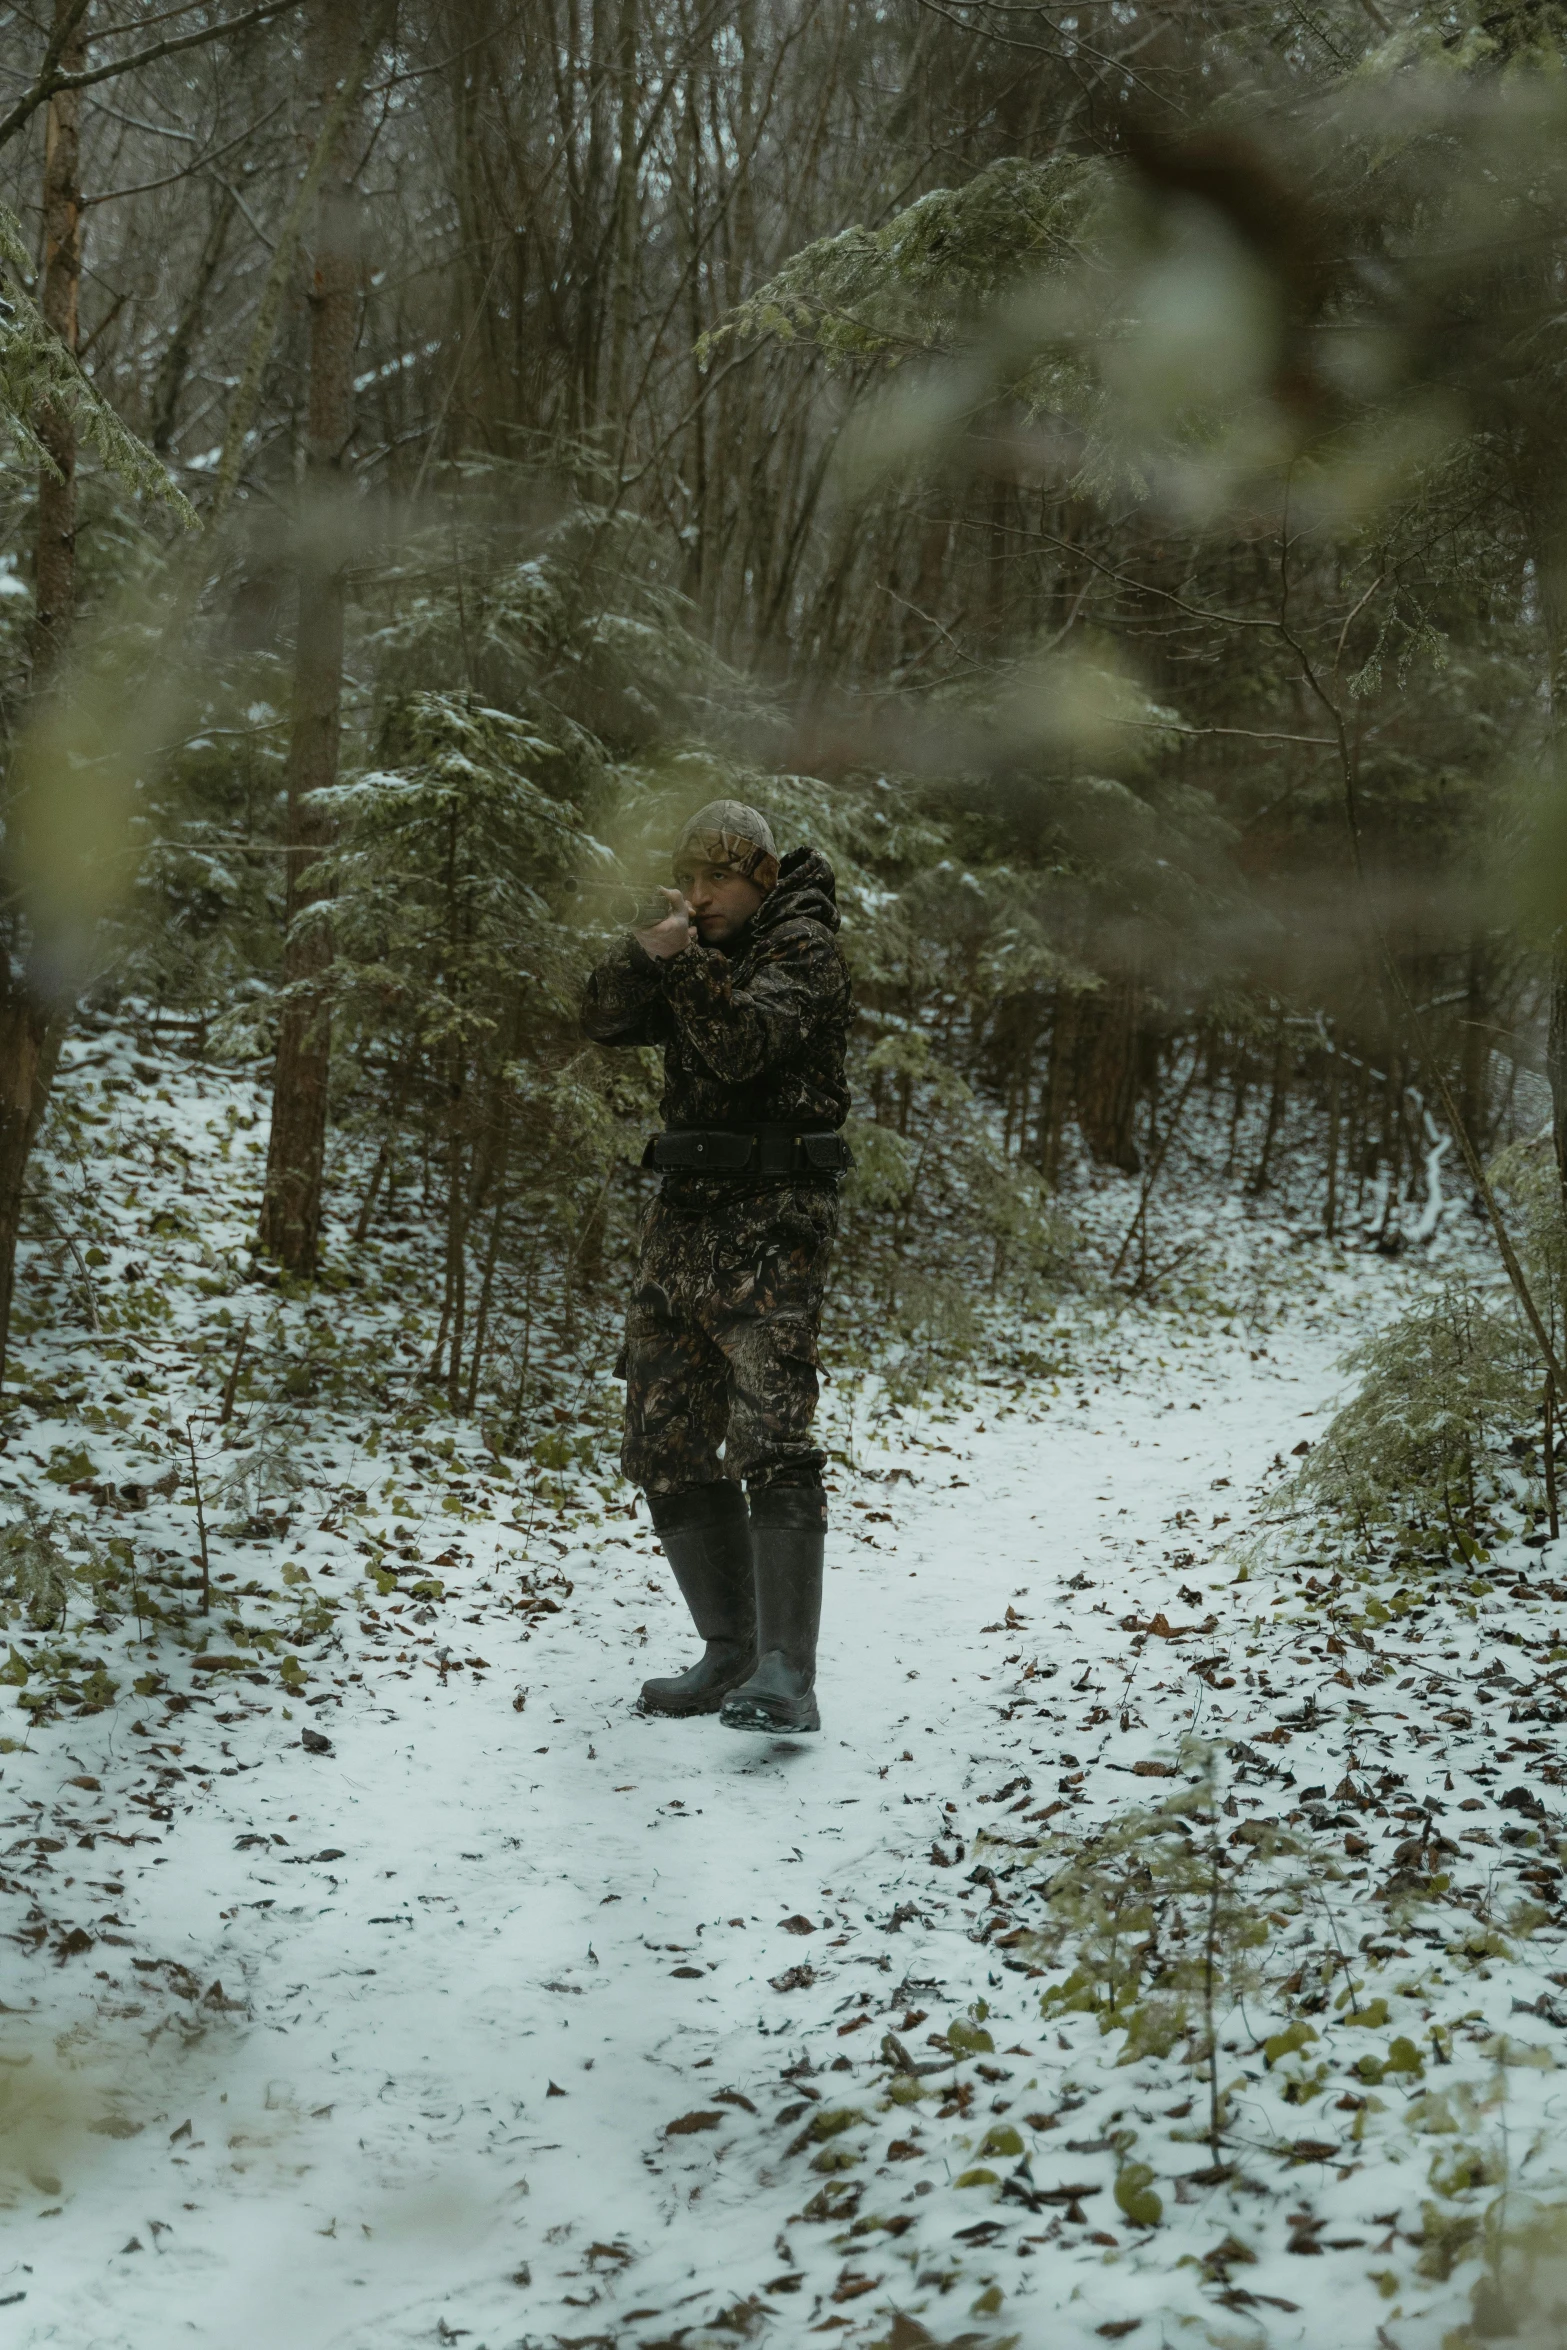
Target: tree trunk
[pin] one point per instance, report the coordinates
(31, 1034)
(1474, 1048)
(291, 1205)
(32, 1022)
(62, 277)
(174, 366)
(1242, 1087)
(1277, 1097)
(1058, 1087)
(1106, 1074)
(1330, 1204)
(1543, 502)
(481, 1322)
(1556, 1059)
(623, 287)
(1388, 1237)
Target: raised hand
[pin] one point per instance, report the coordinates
(671, 936)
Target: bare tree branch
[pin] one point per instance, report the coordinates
(50, 80)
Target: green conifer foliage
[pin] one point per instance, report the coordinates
(1440, 1391)
(928, 280)
(35, 367)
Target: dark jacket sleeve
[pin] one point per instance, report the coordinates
(737, 1032)
(623, 1002)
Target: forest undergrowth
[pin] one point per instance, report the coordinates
(1312, 1956)
(177, 1401)
(1155, 618)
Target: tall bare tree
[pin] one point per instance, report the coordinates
(32, 1021)
(291, 1205)
(61, 291)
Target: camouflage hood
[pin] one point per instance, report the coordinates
(752, 1035)
(805, 891)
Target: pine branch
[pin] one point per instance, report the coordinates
(37, 369)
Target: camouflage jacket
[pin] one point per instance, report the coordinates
(753, 1034)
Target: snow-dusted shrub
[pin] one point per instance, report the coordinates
(262, 1467)
(1160, 1930)
(1527, 1177)
(1441, 1391)
(937, 1328)
(36, 1575)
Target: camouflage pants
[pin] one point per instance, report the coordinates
(721, 1335)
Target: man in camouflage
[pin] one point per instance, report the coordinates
(744, 986)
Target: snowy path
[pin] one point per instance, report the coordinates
(517, 2021)
(570, 1899)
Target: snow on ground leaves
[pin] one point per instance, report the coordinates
(550, 2025)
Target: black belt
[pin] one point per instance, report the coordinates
(763, 1151)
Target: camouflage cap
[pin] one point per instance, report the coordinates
(728, 833)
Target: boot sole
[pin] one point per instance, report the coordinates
(766, 1726)
(654, 1710)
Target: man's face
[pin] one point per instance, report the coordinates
(721, 901)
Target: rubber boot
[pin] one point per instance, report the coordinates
(788, 1533)
(706, 1536)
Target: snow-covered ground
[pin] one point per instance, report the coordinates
(581, 2029)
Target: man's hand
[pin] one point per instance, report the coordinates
(671, 936)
